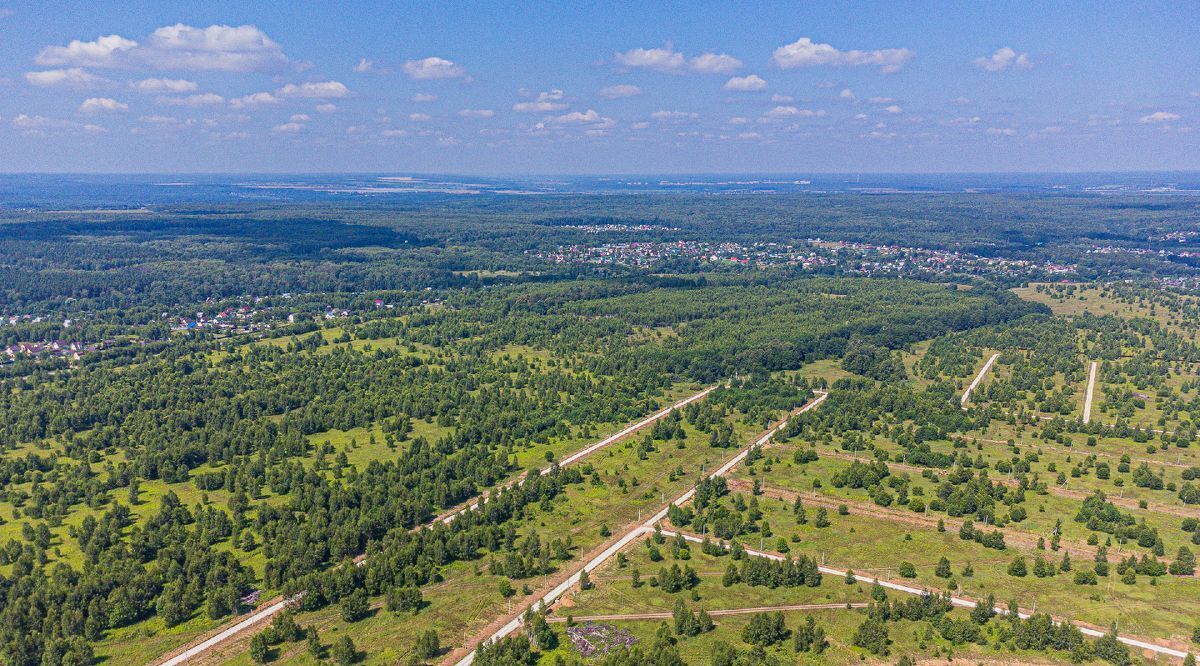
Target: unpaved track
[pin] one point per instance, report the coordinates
(1026, 540)
(1128, 503)
(1091, 389)
(963, 602)
(966, 396)
(513, 621)
(714, 613)
(263, 613)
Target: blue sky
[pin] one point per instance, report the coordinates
(526, 87)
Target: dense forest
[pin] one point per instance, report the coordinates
(203, 405)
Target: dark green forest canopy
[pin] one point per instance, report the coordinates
(174, 255)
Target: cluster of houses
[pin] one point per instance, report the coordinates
(815, 254)
(55, 349)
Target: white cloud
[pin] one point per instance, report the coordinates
(792, 112)
(424, 97)
(589, 117)
(326, 108)
(73, 77)
(848, 95)
(391, 133)
(740, 120)
(751, 83)
(667, 59)
(538, 107)
(960, 101)
(476, 113)
(39, 124)
(202, 99)
(545, 102)
(640, 125)
(433, 68)
(93, 105)
(317, 90)
(419, 117)
(364, 65)
(254, 99)
(749, 136)
(288, 128)
(242, 48)
(163, 85)
(781, 99)
(1158, 117)
(620, 90)
(1004, 58)
(299, 118)
(881, 100)
(894, 108)
(806, 53)
(675, 115)
(101, 53)
(715, 63)
(1000, 131)
(663, 59)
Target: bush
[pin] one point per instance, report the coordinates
(908, 570)
(872, 635)
(355, 606)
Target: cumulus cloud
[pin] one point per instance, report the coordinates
(1158, 117)
(751, 83)
(419, 117)
(364, 65)
(254, 99)
(424, 97)
(663, 59)
(589, 117)
(1000, 131)
(792, 112)
(960, 101)
(433, 68)
(781, 99)
(104, 52)
(299, 118)
(72, 77)
(35, 124)
(202, 99)
(242, 48)
(288, 128)
(314, 90)
(545, 102)
(714, 63)
(894, 108)
(93, 105)
(476, 113)
(326, 108)
(620, 90)
(667, 59)
(848, 95)
(1004, 58)
(804, 52)
(163, 85)
(675, 115)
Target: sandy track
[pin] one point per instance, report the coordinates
(509, 624)
(241, 624)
